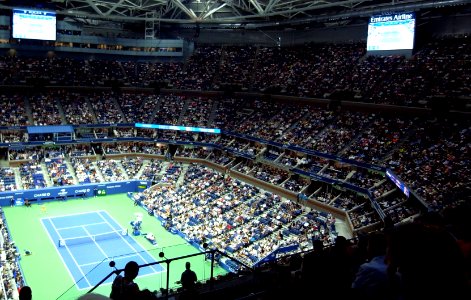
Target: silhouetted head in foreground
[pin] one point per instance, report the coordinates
(131, 270)
(428, 260)
(26, 293)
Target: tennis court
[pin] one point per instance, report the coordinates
(84, 240)
(53, 268)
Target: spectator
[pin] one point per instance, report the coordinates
(313, 262)
(429, 261)
(339, 259)
(188, 278)
(26, 293)
(124, 287)
(151, 238)
(372, 280)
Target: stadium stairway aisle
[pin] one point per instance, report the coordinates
(182, 175)
(378, 183)
(4, 163)
(47, 178)
(90, 108)
(349, 175)
(98, 170)
(122, 69)
(121, 168)
(184, 109)
(61, 111)
(349, 144)
(155, 110)
(29, 111)
(163, 169)
(212, 114)
(118, 107)
(145, 163)
(18, 181)
(71, 170)
(333, 199)
(295, 124)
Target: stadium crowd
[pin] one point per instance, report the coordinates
(429, 153)
(310, 70)
(208, 207)
(356, 137)
(12, 279)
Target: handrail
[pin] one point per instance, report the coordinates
(169, 260)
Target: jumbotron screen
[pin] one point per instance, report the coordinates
(398, 183)
(391, 32)
(34, 24)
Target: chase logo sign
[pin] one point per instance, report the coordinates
(41, 195)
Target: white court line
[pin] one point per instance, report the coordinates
(93, 263)
(88, 232)
(76, 214)
(71, 227)
(60, 255)
(116, 258)
(124, 256)
(137, 252)
(109, 283)
(73, 257)
(108, 258)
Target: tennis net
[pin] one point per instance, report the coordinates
(92, 238)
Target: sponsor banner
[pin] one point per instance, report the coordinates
(101, 192)
(73, 191)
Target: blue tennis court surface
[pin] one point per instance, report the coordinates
(85, 240)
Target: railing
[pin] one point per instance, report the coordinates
(162, 277)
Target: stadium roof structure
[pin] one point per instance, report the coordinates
(249, 13)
